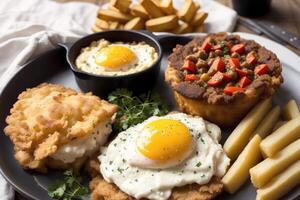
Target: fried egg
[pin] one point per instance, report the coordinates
(118, 58)
(151, 158)
(162, 143)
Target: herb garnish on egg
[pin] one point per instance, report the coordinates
(135, 109)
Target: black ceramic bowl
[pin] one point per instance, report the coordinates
(103, 84)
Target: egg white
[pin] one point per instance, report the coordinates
(207, 160)
(145, 57)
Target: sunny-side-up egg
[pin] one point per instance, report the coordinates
(105, 58)
(151, 158)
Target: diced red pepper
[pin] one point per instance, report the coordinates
(261, 69)
(241, 72)
(251, 59)
(190, 77)
(227, 77)
(217, 47)
(234, 62)
(232, 89)
(189, 65)
(206, 46)
(216, 80)
(244, 81)
(238, 48)
(228, 45)
(218, 64)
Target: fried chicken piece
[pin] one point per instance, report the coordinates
(102, 190)
(47, 118)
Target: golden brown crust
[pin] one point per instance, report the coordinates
(102, 190)
(48, 116)
(223, 114)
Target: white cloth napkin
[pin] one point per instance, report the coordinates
(31, 27)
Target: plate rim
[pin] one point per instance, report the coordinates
(285, 50)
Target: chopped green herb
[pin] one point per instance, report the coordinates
(198, 164)
(202, 140)
(120, 170)
(135, 109)
(69, 188)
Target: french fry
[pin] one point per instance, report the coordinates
(197, 5)
(200, 29)
(167, 7)
(139, 11)
(113, 25)
(263, 172)
(152, 9)
(162, 23)
(278, 125)
(283, 136)
(102, 24)
(121, 5)
(281, 184)
(182, 28)
(238, 173)
(199, 18)
(96, 29)
(290, 110)
(134, 24)
(266, 125)
(113, 15)
(188, 11)
(241, 134)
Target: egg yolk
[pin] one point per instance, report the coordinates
(166, 139)
(114, 56)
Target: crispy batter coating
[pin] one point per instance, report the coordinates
(102, 190)
(48, 116)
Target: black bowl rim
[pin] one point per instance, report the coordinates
(146, 34)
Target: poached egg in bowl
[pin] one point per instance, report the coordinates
(153, 157)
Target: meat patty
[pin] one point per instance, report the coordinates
(200, 89)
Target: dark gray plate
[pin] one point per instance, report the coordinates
(52, 67)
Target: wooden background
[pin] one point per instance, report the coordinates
(284, 13)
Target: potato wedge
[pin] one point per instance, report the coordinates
(139, 11)
(265, 127)
(188, 11)
(102, 24)
(152, 9)
(182, 28)
(199, 18)
(270, 167)
(167, 7)
(241, 134)
(121, 5)
(113, 25)
(200, 29)
(281, 184)
(238, 173)
(113, 15)
(96, 29)
(290, 110)
(282, 137)
(134, 24)
(162, 23)
(198, 6)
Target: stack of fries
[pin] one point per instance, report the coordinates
(152, 15)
